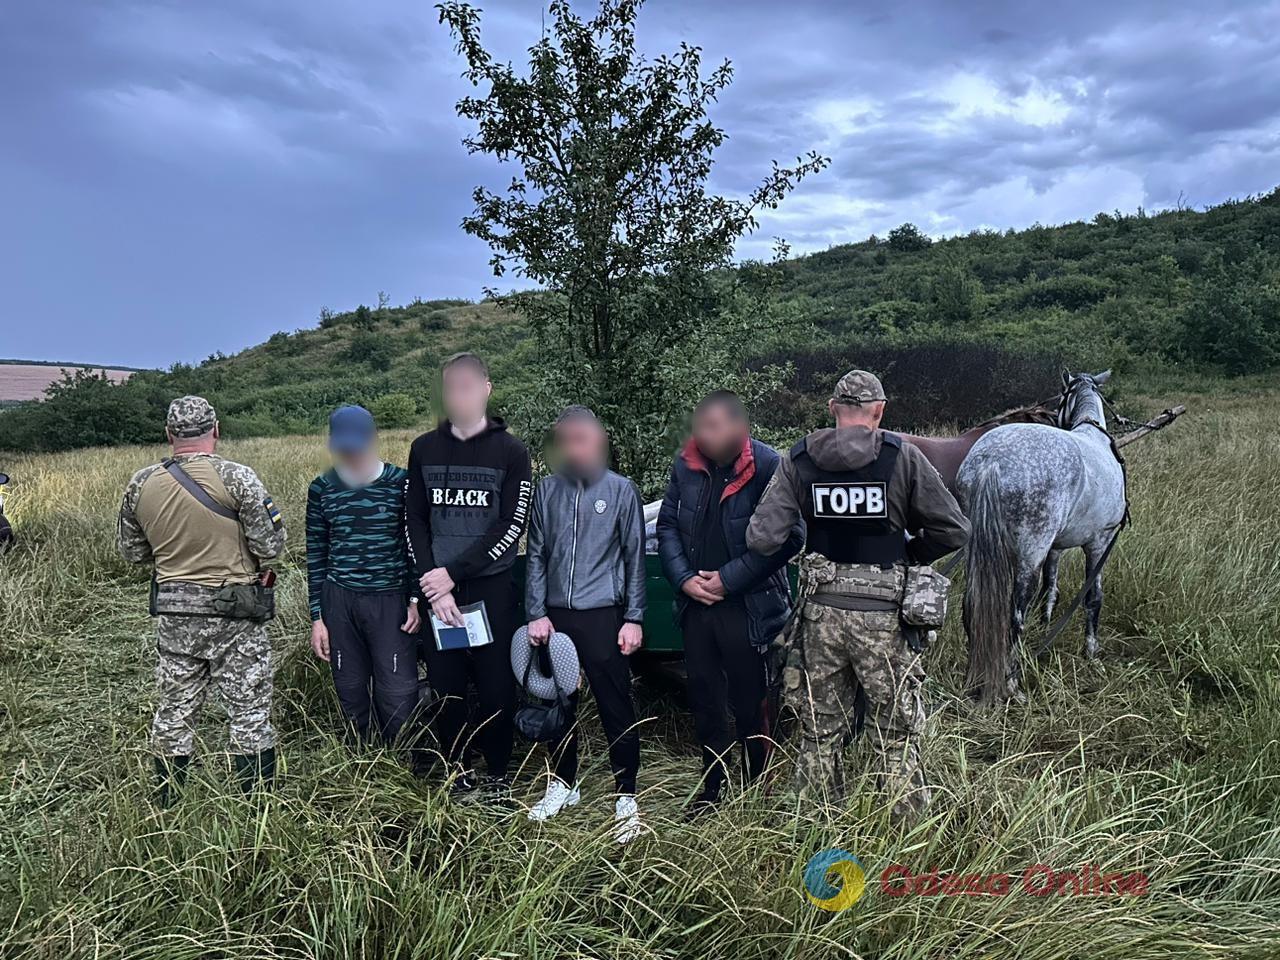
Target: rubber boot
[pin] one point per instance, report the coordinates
(256, 771)
(171, 776)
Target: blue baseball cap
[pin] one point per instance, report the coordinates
(351, 430)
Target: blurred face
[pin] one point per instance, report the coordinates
(465, 392)
(355, 461)
(582, 446)
(719, 433)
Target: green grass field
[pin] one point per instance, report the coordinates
(1162, 759)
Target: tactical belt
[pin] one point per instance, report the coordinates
(855, 569)
(848, 601)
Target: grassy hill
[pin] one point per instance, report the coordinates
(289, 383)
(1180, 290)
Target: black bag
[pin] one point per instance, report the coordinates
(543, 721)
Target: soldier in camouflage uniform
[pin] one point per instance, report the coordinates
(860, 491)
(206, 524)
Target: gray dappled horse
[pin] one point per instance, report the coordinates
(1031, 491)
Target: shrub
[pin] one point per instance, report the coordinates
(926, 383)
(433, 322)
(394, 410)
(1072, 291)
(363, 317)
(83, 409)
(370, 348)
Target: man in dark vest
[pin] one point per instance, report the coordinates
(861, 492)
(732, 603)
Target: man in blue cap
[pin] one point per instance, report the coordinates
(362, 588)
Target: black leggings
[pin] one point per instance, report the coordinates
(367, 649)
(595, 635)
(450, 672)
(725, 670)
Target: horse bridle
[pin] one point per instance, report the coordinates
(1067, 403)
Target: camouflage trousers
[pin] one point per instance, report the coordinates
(840, 650)
(196, 652)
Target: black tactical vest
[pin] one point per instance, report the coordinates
(847, 511)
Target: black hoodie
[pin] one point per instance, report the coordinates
(467, 501)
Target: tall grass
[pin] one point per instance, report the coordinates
(1162, 758)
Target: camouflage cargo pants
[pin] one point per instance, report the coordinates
(842, 648)
(232, 655)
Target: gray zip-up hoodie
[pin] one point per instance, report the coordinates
(586, 546)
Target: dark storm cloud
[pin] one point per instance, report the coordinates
(180, 177)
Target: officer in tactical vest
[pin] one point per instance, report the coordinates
(206, 524)
(867, 597)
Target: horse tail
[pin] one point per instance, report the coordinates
(988, 591)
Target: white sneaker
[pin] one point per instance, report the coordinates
(626, 815)
(557, 797)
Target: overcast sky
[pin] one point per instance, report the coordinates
(179, 177)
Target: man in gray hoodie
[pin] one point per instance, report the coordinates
(585, 578)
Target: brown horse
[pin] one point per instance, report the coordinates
(947, 453)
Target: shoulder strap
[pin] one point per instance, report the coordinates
(890, 439)
(802, 447)
(200, 493)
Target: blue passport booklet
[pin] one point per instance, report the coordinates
(474, 632)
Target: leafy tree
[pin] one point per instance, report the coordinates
(609, 211)
(1234, 316)
(954, 295)
(907, 238)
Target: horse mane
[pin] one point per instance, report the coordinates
(1039, 412)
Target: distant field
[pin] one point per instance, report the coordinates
(28, 381)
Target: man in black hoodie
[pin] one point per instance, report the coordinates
(466, 505)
